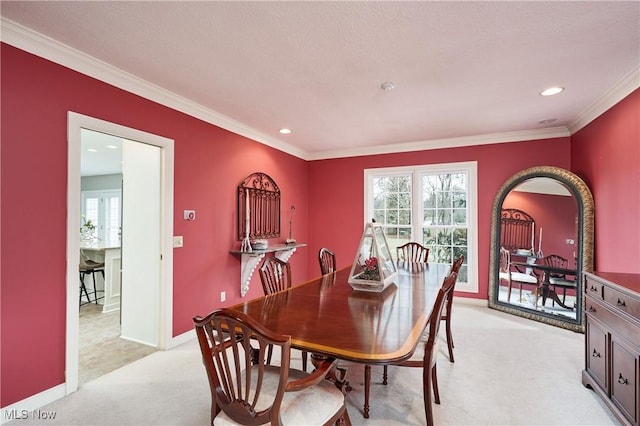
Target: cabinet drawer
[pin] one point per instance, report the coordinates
(622, 301)
(596, 356)
(624, 373)
(593, 287)
(615, 322)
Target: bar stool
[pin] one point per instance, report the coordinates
(89, 267)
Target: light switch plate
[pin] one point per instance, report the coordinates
(178, 241)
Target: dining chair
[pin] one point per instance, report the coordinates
(448, 307)
(558, 279)
(246, 392)
(327, 261)
(412, 252)
(89, 267)
(507, 273)
(275, 276)
(425, 354)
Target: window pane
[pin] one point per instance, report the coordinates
(459, 217)
(91, 212)
(459, 237)
(404, 217)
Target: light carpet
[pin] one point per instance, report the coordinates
(508, 371)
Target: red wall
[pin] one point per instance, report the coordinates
(606, 154)
(336, 210)
(209, 164)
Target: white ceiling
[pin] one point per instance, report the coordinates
(465, 72)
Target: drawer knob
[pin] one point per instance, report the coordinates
(592, 288)
(591, 309)
(596, 354)
(622, 380)
(621, 303)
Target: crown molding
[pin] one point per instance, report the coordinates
(519, 136)
(621, 90)
(48, 48)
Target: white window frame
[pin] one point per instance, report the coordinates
(416, 172)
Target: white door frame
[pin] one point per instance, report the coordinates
(76, 122)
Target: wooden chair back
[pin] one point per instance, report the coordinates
(555, 261)
(457, 264)
(228, 341)
(412, 252)
(327, 261)
(446, 312)
(275, 275)
(505, 261)
(434, 323)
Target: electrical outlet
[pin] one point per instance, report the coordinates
(569, 241)
(223, 296)
(178, 241)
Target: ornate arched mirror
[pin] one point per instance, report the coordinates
(541, 242)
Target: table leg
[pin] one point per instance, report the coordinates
(367, 385)
(337, 374)
(547, 292)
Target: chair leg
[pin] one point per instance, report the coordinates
(385, 376)
(304, 360)
(434, 381)
(269, 354)
(520, 285)
(449, 338)
(509, 292)
(83, 288)
(426, 394)
(95, 287)
(367, 385)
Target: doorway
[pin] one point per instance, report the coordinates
(150, 152)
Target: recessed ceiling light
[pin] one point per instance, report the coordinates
(112, 147)
(548, 121)
(387, 85)
(92, 150)
(552, 91)
(285, 131)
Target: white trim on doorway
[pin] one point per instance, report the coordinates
(76, 122)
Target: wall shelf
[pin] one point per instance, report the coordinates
(250, 259)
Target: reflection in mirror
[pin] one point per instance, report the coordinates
(536, 208)
(542, 227)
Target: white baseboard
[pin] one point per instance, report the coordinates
(182, 338)
(471, 301)
(29, 408)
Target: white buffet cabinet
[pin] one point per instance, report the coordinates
(110, 254)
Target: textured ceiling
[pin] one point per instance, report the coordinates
(461, 69)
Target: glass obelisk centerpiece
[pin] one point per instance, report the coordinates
(373, 269)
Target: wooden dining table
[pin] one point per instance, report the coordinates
(326, 316)
(544, 289)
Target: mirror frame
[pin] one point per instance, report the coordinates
(584, 246)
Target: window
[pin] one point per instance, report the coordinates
(434, 205)
(103, 209)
